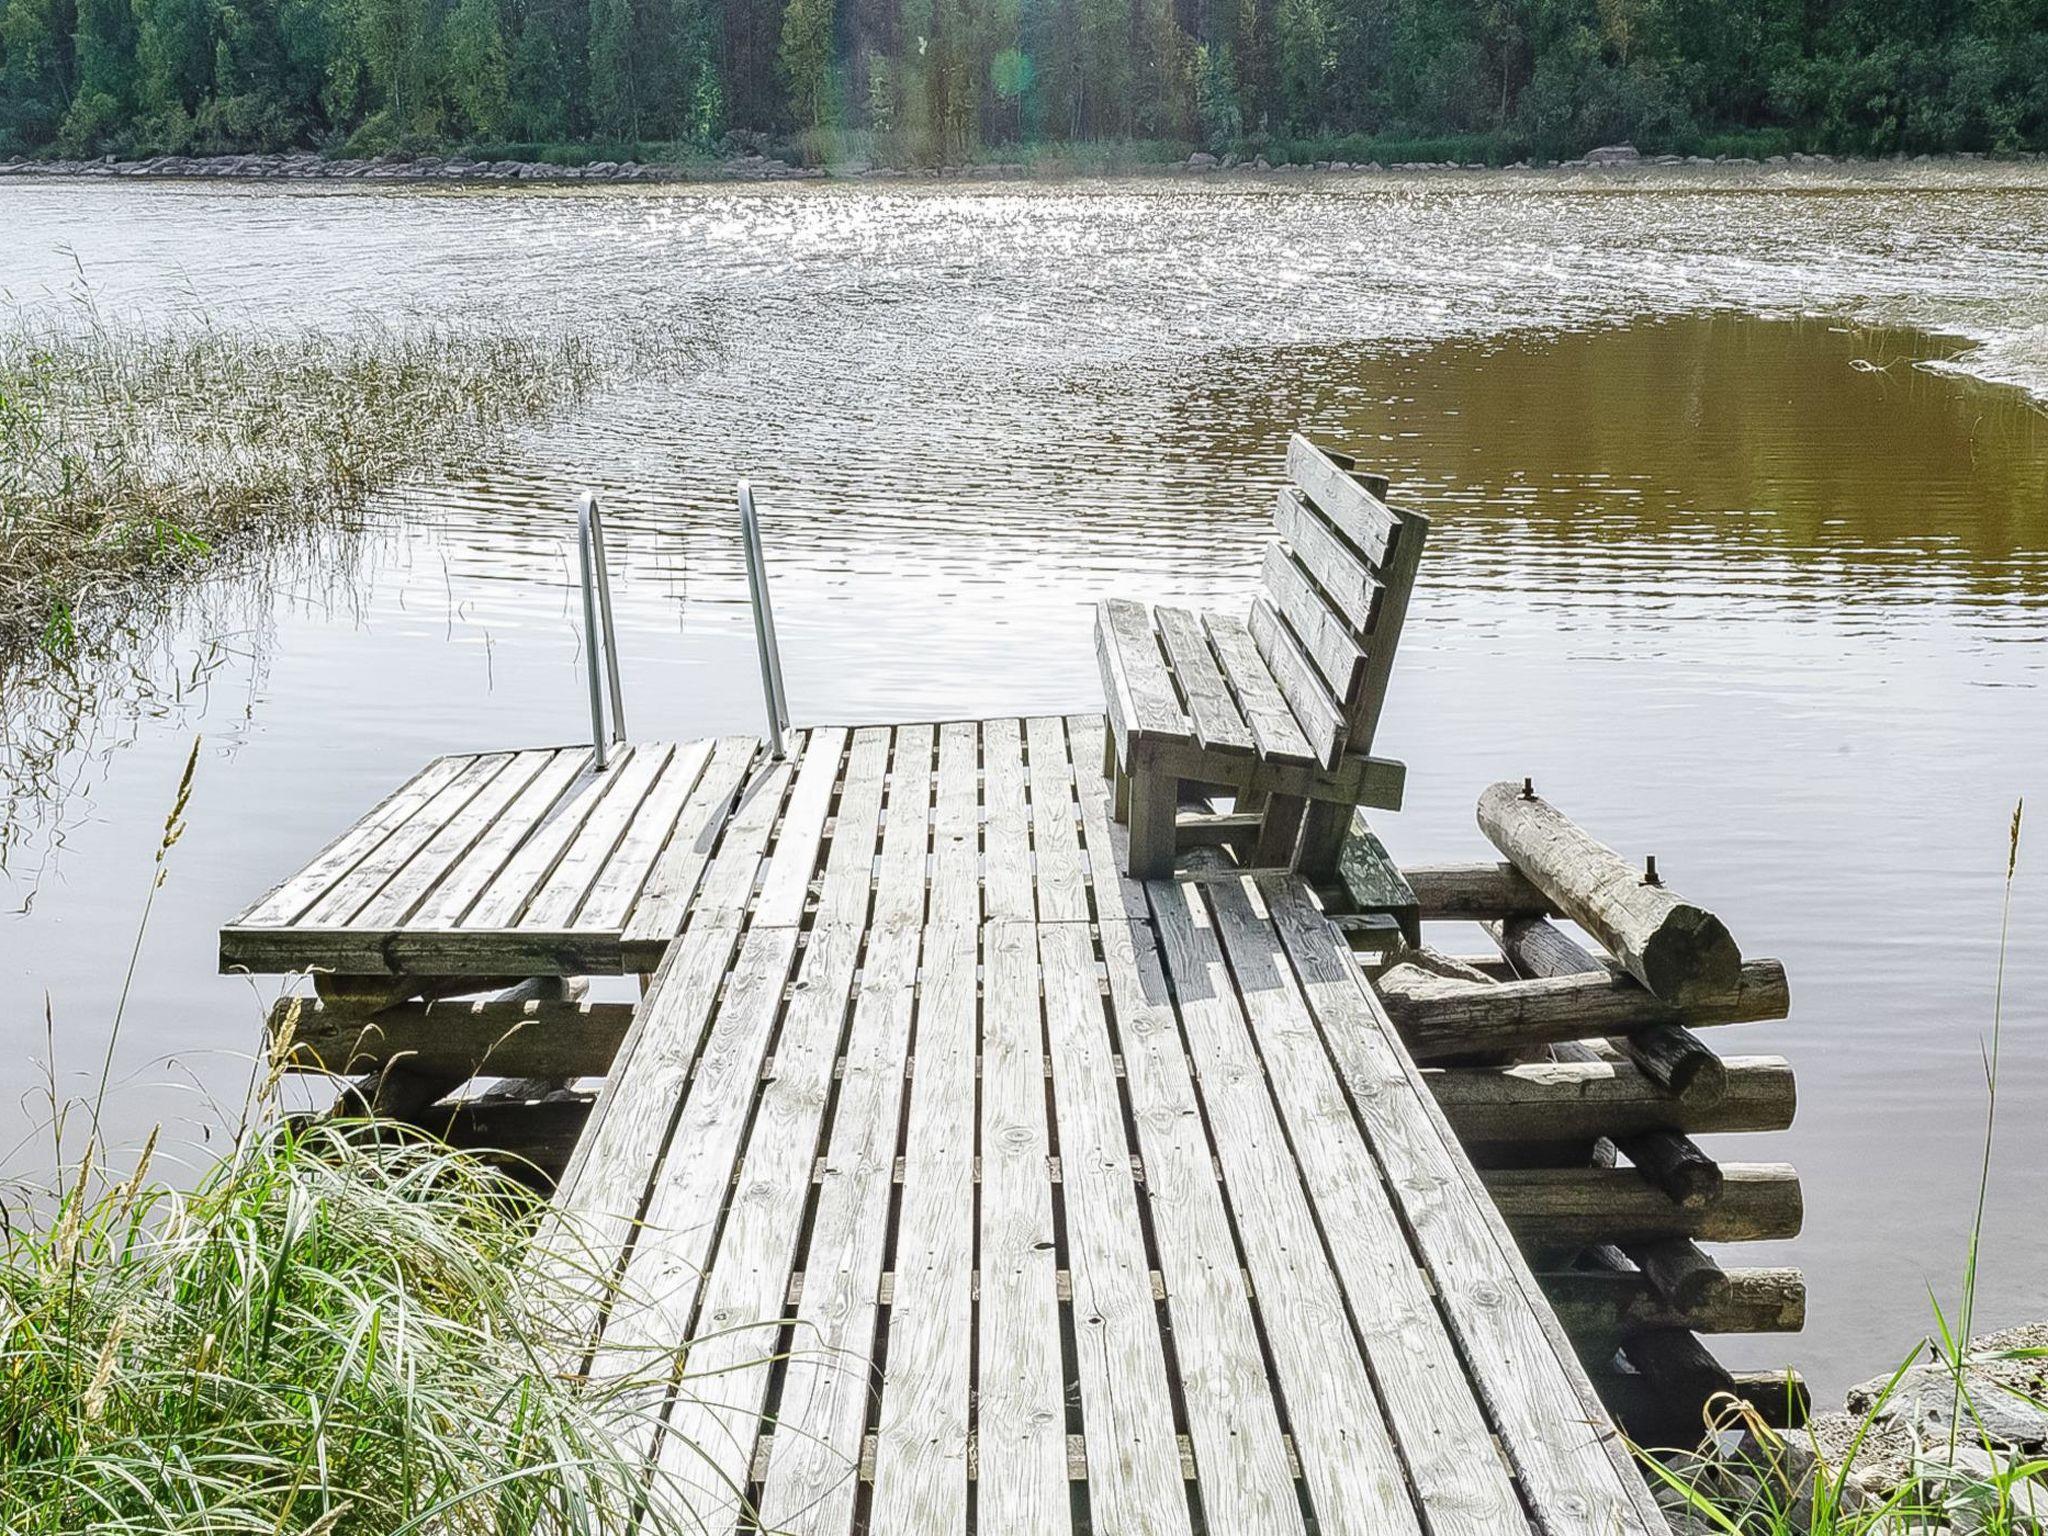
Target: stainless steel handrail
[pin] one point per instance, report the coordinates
(764, 625)
(597, 623)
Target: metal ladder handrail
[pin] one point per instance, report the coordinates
(764, 624)
(597, 614)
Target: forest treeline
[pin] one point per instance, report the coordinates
(936, 81)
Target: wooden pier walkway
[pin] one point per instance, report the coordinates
(997, 1192)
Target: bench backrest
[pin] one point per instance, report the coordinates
(1337, 580)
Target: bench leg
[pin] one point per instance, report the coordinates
(1323, 830)
(1277, 832)
(1154, 799)
(1120, 795)
(1109, 755)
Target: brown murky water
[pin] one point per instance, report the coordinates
(1730, 553)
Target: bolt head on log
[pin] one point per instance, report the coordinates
(1682, 953)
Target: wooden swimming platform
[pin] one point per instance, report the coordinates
(977, 1187)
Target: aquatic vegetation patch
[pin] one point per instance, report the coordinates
(126, 458)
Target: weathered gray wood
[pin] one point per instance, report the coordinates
(1021, 1411)
(1263, 1066)
(1588, 1205)
(1605, 1001)
(625, 874)
(503, 902)
(1374, 781)
(921, 1438)
(799, 841)
(1780, 1397)
(1323, 633)
(338, 905)
(1348, 582)
(1265, 709)
(1219, 727)
(809, 1484)
(1342, 496)
(1681, 952)
(1007, 887)
(1134, 1472)
(1575, 1476)
(1566, 1101)
(284, 902)
(657, 914)
(411, 885)
(1321, 721)
(1370, 878)
(453, 895)
(1680, 1370)
(560, 894)
(1679, 1270)
(1362, 712)
(1139, 690)
(1474, 892)
(1239, 1452)
(434, 952)
(1062, 889)
(471, 1038)
(1675, 1164)
(1611, 1305)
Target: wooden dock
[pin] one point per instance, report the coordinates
(976, 1187)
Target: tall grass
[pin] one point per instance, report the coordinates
(1971, 1482)
(128, 455)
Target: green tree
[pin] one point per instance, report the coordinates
(806, 58)
(614, 112)
(479, 73)
(38, 77)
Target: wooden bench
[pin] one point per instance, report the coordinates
(1278, 708)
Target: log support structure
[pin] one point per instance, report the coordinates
(1578, 1071)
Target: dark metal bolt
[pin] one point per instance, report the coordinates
(1650, 871)
(1528, 789)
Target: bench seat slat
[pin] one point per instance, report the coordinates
(1219, 724)
(1141, 697)
(1265, 708)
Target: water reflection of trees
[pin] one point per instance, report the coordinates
(1725, 436)
(173, 652)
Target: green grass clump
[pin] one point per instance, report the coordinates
(125, 457)
(336, 1332)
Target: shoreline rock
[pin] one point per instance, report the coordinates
(1621, 161)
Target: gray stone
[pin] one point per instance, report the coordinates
(1613, 154)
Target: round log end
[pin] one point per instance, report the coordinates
(1691, 959)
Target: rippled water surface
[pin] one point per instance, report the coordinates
(1734, 551)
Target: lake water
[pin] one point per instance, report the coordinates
(1736, 552)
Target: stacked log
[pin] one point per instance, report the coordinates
(1578, 1075)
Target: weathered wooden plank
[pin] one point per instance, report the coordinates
(1020, 1419)
(499, 1039)
(284, 902)
(657, 914)
(1233, 1419)
(1341, 497)
(809, 1484)
(1061, 888)
(349, 894)
(800, 840)
(1570, 1101)
(1265, 709)
(625, 873)
(1007, 888)
(1219, 727)
(1759, 1201)
(1134, 1473)
(1612, 1304)
(1397, 575)
(1307, 695)
(560, 894)
(713, 1430)
(1681, 952)
(1347, 582)
(503, 902)
(1574, 1472)
(488, 952)
(1271, 1057)
(1339, 658)
(956, 831)
(457, 890)
(1139, 690)
(730, 878)
(416, 880)
(921, 1435)
(1437, 1018)
(1474, 892)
